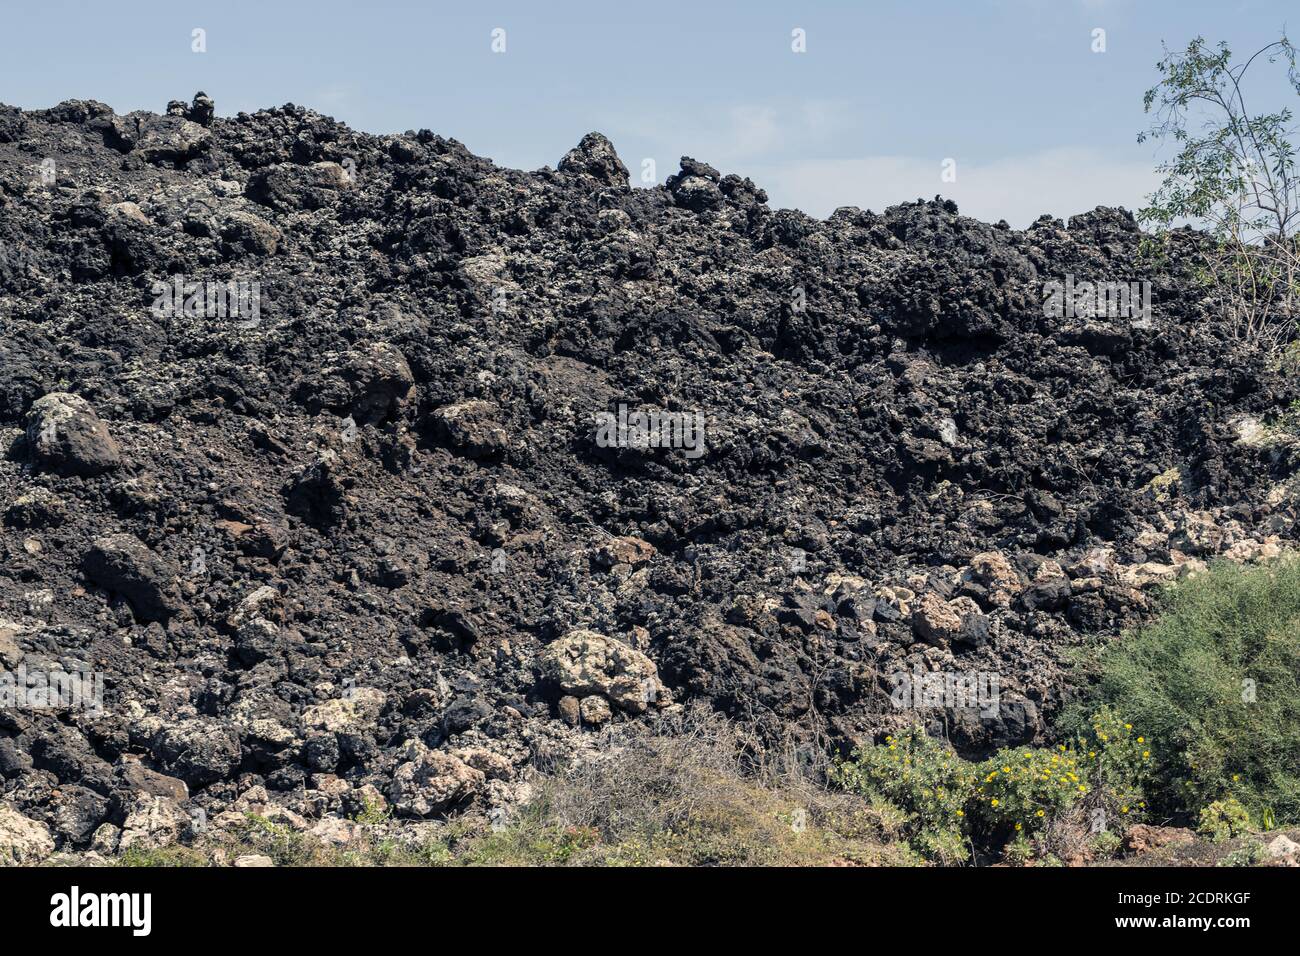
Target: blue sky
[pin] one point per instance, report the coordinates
(887, 90)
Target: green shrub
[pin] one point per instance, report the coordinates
(373, 813)
(284, 845)
(926, 780)
(1019, 851)
(1213, 683)
(1023, 787)
(1106, 844)
(168, 856)
(1224, 819)
(1010, 798)
(1251, 854)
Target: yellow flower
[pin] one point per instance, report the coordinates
(1123, 809)
(1142, 740)
(961, 813)
(1082, 788)
(1017, 826)
(993, 802)
(1128, 726)
(1236, 777)
(1146, 754)
(1040, 813)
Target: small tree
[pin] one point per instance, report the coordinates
(1235, 175)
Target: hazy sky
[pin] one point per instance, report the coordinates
(887, 90)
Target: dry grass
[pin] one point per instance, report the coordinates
(686, 791)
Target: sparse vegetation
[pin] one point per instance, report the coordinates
(1021, 802)
(1213, 683)
(1191, 718)
(685, 794)
(925, 780)
(1210, 736)
(1235, 175)
(346, 520)
(1249, 854)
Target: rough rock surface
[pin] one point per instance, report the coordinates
(64, 432)
(1144, 837)
(125, 565)
(431, 780)
(583, 663)
(316, 548)
(22, 841)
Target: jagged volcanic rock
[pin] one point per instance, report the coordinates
(335, 485)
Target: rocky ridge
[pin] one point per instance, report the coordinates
(357, 546)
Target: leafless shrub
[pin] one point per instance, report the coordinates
(650, 778)
(1235, 174)
(691, 766)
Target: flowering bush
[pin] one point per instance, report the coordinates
(923, 777)
(1214, 681)
(1022, 787)
(1012, 796)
